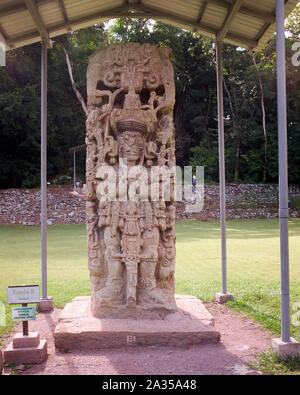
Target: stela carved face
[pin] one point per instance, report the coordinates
(131, 145)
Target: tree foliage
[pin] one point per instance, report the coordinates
(250, 136)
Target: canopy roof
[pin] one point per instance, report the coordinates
(245, 23)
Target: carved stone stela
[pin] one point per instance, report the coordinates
(131, 242)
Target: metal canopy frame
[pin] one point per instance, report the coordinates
(246, 23)
(141, 9)
(73, 151)
(34, 12)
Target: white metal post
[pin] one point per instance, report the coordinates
(44, 168)
(74, 163)
(285, 346)
(46, 303)
(283, 171)
(222, 182)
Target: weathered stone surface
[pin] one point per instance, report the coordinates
(129, 131)
(26, 355)
(79, 329)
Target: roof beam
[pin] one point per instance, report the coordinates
(33, 10)
(263, 31)
(202, 11)
(140, 11)
(267, 25)
(12, 8)
(156, 13)
(233, 10)
(265, 16)
(241, 41)
(64, 14)
(3, 36)
(19, 6)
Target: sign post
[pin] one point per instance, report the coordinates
(23, 294)
(25, 323)
(26, 347)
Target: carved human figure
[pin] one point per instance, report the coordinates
(131, 239)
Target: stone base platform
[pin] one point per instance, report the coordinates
(26, 349)
(77, 329)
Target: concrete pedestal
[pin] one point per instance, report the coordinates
(78, 329)
(285, 350)
(45, 305)
(223, 298)
(26, 349)
(1, 360)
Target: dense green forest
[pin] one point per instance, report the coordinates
(250, 103)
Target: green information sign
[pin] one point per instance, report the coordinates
(23, 313)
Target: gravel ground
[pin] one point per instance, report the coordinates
(241, 343)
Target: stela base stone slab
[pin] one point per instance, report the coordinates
(77, 329)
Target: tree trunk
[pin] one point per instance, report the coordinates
(77, 93)
(238, 141)
(264, 118)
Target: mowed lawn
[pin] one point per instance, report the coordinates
(253, 264)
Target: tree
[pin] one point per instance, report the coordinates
(250, 103)
(293, 23)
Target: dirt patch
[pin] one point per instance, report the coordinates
(241, 343)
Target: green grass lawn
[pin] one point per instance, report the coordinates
(253, 264)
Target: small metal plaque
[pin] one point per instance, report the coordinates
(23, 294)
(23, 313)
